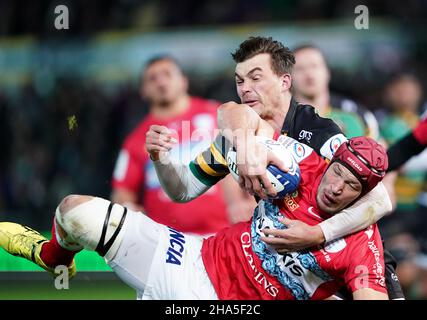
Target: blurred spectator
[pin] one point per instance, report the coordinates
(403, 95)
(5, 147)
(405, 249)
(135, 182)
(311, 77)
(421, 263)
(411, 265)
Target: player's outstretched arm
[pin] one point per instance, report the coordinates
(177, 180)
(299, 235)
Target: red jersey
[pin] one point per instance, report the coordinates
(420, 132)
(241, 266)
(194, 130)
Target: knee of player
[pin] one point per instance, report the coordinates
(71, 201)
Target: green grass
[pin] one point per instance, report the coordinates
(85, 261)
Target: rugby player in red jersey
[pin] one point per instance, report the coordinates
(162, 263)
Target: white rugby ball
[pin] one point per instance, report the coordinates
(283, 182)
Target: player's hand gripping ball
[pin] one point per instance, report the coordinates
(283, 182)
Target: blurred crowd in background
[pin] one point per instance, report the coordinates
(67, 141)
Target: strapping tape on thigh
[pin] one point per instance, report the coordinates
(102, 248)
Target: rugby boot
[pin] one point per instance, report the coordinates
(22, 241)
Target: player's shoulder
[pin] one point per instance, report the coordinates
(307, 117)
(366, 240)
(305, 110)
(356, 248)
(310, 128)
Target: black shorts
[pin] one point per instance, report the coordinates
(394, 289)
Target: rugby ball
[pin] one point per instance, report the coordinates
(283, 182)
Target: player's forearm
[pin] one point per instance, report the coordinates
(365, 212)
(237, 120)
(178, 181)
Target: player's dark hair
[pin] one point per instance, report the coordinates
(161, 57)
(282, 59)
(402, 76)
(156, 59)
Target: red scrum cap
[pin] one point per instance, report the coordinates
(365, 158)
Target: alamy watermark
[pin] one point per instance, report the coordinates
(62, 17)
(361, 22)
(62, 279)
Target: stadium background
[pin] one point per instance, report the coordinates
(90, 73)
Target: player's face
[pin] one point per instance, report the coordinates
(337, 189)
(310, 74)
(258, 86)
(163, 83)
(404, 95)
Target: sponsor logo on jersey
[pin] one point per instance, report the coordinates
(290, 202)
(331, 145)
(176, 247)
(334, 144)
(394, 277)
(326, 255)
(305, 135)
(369, 232)
(354, 164)
(377, 267)
(299, 150)
(335, 246)
(271, 142)
(311, 211)
(259, 276)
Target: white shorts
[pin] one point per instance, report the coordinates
(161, 263)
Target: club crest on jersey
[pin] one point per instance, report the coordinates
(334, 144)
(299, 150)
(176, 247)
